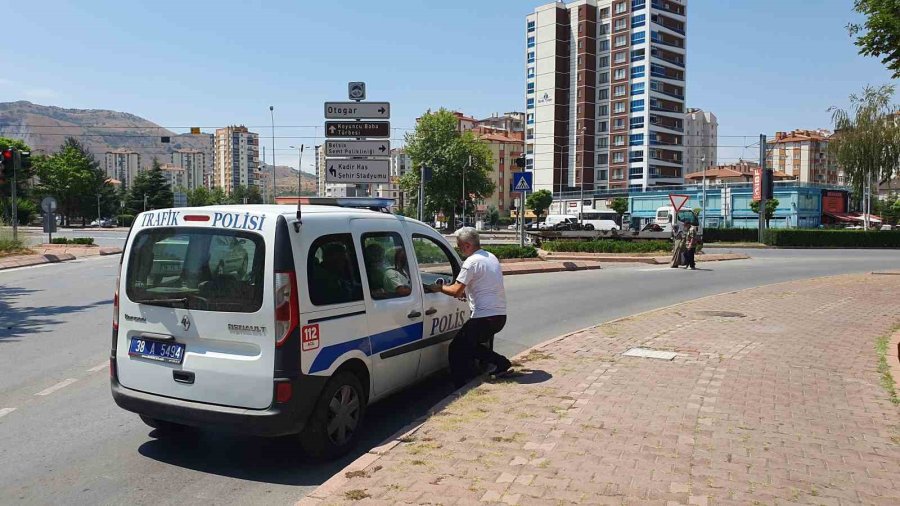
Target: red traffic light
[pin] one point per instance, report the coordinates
(7, 154)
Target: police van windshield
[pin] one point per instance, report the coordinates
(203, 269)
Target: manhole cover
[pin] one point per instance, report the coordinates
(722, 314)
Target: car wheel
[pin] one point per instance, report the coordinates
(588, 227)
(335, 424)
(163, 426)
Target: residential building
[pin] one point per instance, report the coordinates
(400, 164)
(605, 91)
(701, 140)
(176, 176)
(803, 155)
(507, 122)
(195, 163)
(742, 171)
(236, 159)
(505, 148)
(123, 165)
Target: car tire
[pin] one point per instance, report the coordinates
(163, 426)
(588, 227)
(341, 406)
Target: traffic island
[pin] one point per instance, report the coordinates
(647, 258)
(772, 394)
(53, 253)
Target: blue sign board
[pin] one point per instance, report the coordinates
(521, 182)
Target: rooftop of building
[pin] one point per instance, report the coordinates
(800, 136)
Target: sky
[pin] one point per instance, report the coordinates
(760, 66)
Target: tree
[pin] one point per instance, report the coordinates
(866, 143)
(620, 206)
(436, 143)
(771, 205)
(539, 202)
(23, 175)
(880, 35)
(149, 186)
(493, 216)
(74, 177)
(217, 197)
(198, 197)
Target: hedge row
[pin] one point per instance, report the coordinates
(85, 241)
(832, 238)
(125, 220)
(607, 246)
(730, 235)
(511, 251)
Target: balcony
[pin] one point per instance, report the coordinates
(669, 23)
(657, 172)
(665, 106)
(664, 155)
(672, 7)
(668, 123)
(667, 89)
(666, 39)
(668, 56)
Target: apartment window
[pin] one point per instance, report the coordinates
(530, 72)
(617, 174)
(580, 60)
(636, 139)
(621, 7)
(637, 122)
(637, 88)
(619, 124)
(637, 105)
(620, 24)
(603, 110)
(603, 142)
(620, 57)
(621, 40)
(619, 107)
(636, 156)
(604, 45)
(639, 20)
(603, 94)
(619, 91)
(580, 44)
(602, 126)
(619, 157)
(603, 62)
(619, 140)
(638, 37)
(604, 28)
(530, 103)
(530, 119)
(603, 78)
(637, 5)
(604, 13)
(530, 87)
(637, 54)
(530, 56)
(530, 41)
(603, 159)
(530, 134)
(637, 71)
(619, 74)
(531, 26)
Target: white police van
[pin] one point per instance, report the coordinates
(260, 320)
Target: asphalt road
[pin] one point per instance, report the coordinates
(63, 440)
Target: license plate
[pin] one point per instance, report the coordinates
(156, 350)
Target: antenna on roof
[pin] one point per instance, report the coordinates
(299, 187)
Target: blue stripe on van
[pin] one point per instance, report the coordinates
(375, 343)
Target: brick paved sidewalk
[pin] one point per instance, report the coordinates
(774, 397)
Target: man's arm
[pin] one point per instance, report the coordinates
(457, 289)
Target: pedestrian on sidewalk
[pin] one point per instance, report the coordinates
(690, 246)
(481, 280)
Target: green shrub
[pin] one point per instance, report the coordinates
(84, 241)
(832, 238)
(607, 246)
(730, 235)
(10, 246)
(512, 251)
(125, 220)
(59, 240)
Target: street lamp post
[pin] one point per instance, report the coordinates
(703, 204)
(581, 203)
(272, 112)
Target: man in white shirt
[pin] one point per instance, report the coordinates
(481, 280)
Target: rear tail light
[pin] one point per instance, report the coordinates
(287, 312)
(283, 391)
(115, 320)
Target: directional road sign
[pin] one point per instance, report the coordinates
(357, 148)
(521, 182)
(357, 171)
(374, 129)
(678, 201)
(357, 110)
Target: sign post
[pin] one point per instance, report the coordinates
(49, 205)
(678, 201)
(353, 153)
(522, 183)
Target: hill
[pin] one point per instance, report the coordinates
(286, 180)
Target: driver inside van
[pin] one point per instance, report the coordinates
(396, 277)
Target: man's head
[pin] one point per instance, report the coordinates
(373, 255)
(467, 240)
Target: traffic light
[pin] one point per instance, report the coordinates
(769, 184)
(6, 164)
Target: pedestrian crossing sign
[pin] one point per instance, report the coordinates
(521, 182)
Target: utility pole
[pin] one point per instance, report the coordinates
(762, 182)
(15, 204)
(421, 192)
(98, 210)
(703, 204)
(468, 164)
(272, 111)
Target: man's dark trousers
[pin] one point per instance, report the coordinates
(468, 345)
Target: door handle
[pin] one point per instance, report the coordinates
(414, 314)
(430, 311)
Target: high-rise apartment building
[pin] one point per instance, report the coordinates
(803, 155)
(701, 140)
(123, 165)
(237, 158)
(605, 90)
(400, 164)
(195, 163)
(176, 176)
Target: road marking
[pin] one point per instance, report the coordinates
(100, 367)
(61, 384)
(6, 411)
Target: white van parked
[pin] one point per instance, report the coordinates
(598, 220)
(258, 320)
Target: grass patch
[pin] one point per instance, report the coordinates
(356, 494)
(532, 356)
(884, 369)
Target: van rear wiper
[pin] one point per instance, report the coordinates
(181, 300)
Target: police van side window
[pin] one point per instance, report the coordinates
(434, 260)
(387, 268)
(333, 271)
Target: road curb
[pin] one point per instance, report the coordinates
(317, 496)
(561, 266)
(30, 260)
